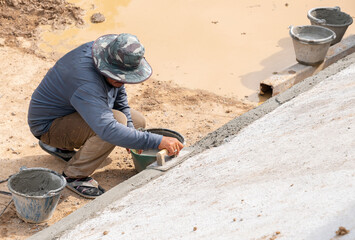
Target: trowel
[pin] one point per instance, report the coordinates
(161, 157)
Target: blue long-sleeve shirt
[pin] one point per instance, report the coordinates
(73, 84)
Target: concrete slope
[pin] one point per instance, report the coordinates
(288, 175)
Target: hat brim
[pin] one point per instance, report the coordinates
(137, 75)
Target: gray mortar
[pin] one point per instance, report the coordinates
(213, 139)
(35, 183)
(332, 17)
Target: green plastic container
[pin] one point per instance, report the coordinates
(141, 161)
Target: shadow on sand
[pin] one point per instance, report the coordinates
(272, 64)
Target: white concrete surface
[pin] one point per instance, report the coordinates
(288, 175)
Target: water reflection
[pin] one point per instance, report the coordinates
(224, 47)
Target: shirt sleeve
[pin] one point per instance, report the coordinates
(121, 104)
(93, 108)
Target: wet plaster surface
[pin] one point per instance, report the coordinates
(288, 175)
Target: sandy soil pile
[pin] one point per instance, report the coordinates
(193, 113)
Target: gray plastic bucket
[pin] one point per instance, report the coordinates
(331, 18)
(311, 43)
(36, 193)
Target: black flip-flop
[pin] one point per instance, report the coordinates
(64, 155)
(84, 186)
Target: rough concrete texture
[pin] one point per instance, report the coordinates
(288, 175)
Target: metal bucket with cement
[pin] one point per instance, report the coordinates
(36, 192)
(331, 18)
(311, 43)
(147, 157)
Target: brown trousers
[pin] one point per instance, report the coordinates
(72, 131)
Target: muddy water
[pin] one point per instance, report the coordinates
(226, 47)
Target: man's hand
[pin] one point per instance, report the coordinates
(172, 145)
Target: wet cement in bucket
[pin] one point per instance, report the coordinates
(35, 182)
(311, 33)
(332, 17)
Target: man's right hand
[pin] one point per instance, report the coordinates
(172, 145)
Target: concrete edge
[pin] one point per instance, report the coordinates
(213, 139)
(231, 128)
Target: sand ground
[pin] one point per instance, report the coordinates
(193, 113)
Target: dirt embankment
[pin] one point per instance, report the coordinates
(19, 20)
(193, 113)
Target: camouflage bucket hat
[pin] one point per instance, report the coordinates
(120, 57)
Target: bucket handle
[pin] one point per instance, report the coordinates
(291, 32)
(23, 168)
